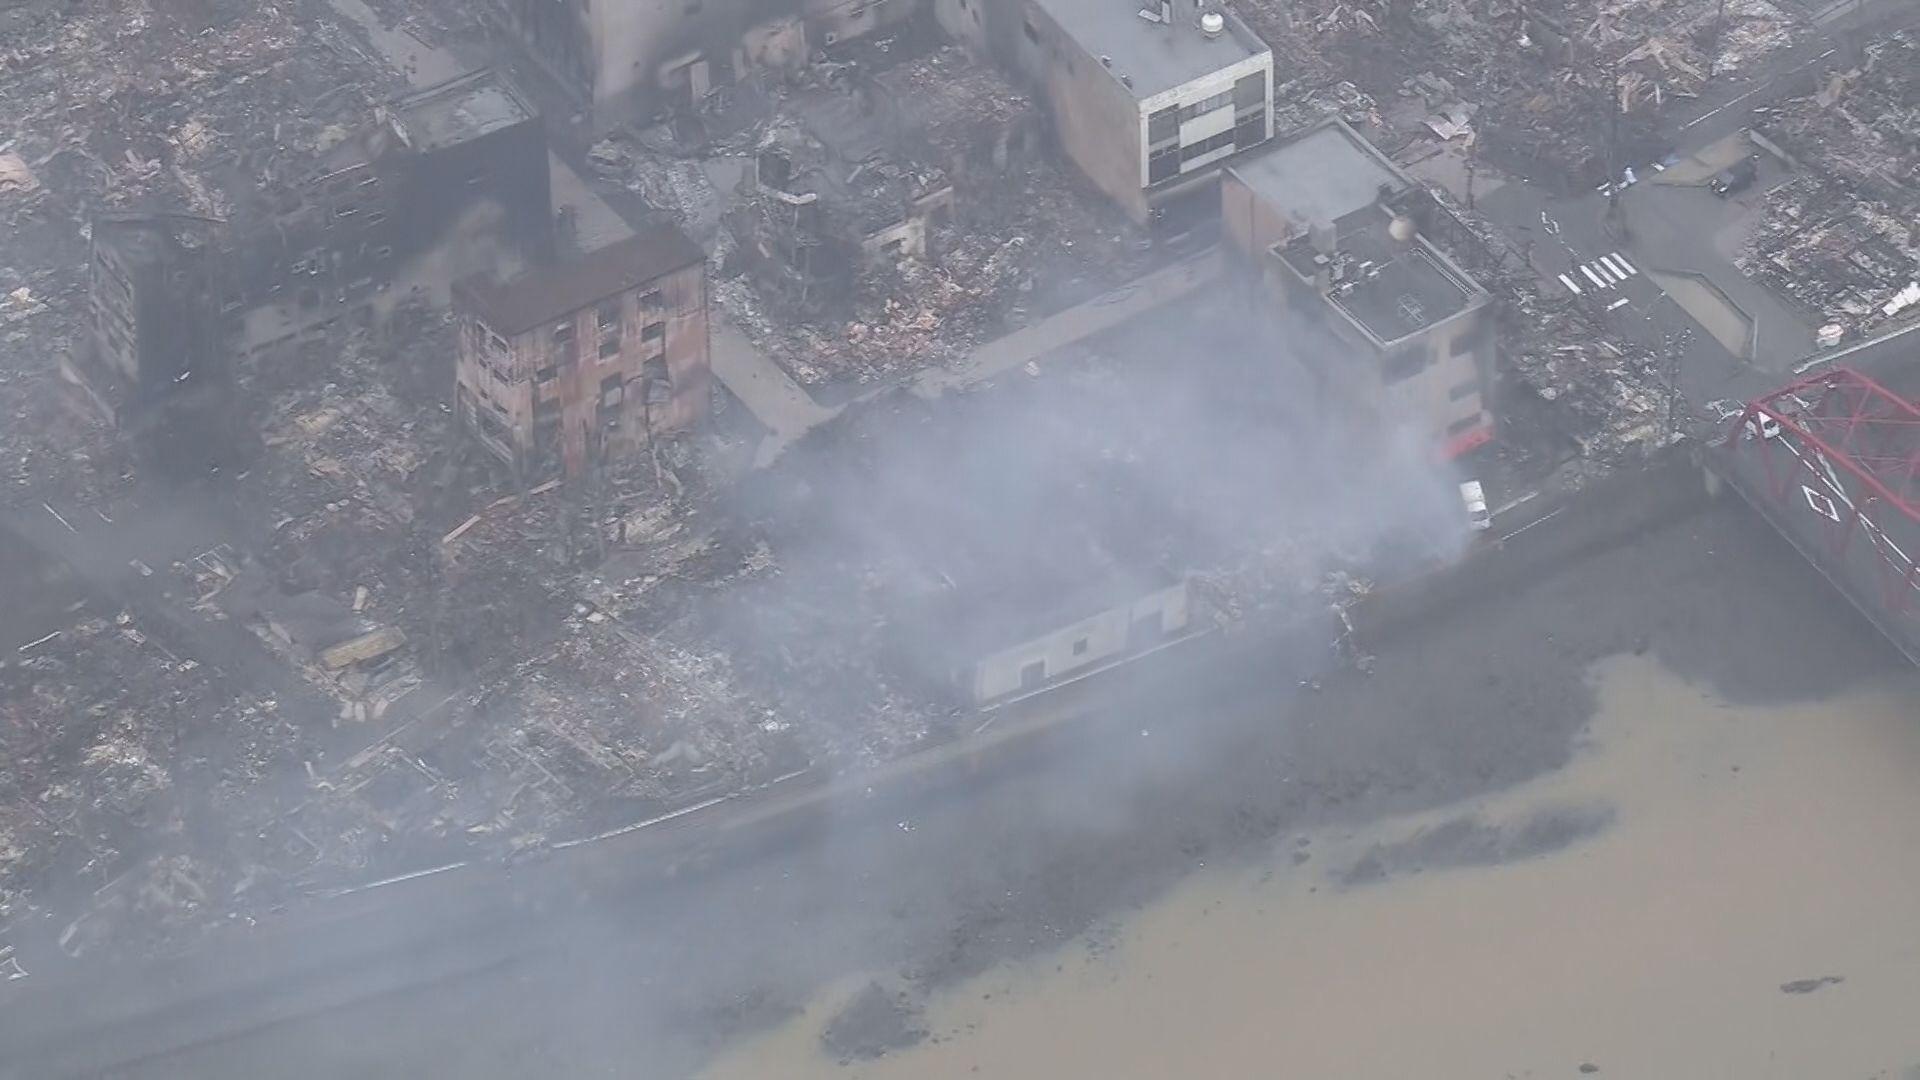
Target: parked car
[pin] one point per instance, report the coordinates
(1762, 426)
(1475, 500)
(1734, 178)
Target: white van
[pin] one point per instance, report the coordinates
(1762, 426)
(1476, 503)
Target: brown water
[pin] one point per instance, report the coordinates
(1751, 847)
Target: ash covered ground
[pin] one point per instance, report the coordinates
(657, 638)
(1225, 754)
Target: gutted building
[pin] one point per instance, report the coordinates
(444, 182)
(1147, 103)
(568, 366)
(857, 171)
(1329, 228)
(623, 57)
(157, 362)
(440, 183)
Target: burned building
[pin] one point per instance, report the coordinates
(1329, 227)
(157, 363)
(446, 181)
(624, 56)
(826, 201)
(859, 172)
(443, 181)
(1146, 103)
(565, 367)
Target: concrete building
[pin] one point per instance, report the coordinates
(565, 367)
(446, 181)
(1147, 103)
(1328, 227)
(441, 183)
(622, 58)
(157, 362)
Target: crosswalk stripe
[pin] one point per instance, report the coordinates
(1593, 277)
(1605, 271)
(1625, 266)
(1568, 282)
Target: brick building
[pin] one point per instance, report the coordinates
(565, 367)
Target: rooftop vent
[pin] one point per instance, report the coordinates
(1213, 24)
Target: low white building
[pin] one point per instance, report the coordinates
(1004, 649)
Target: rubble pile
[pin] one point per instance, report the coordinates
(607, 715)
(988, 271)
(955, 103)
(1300, 102)
(600, 727)
(1840, 238)
(1862, 127)
(1844, 256)
(793, 649)
(129, 769)
(1016, 229)
(352, 478)
(205, 108)
(1538, 77)
(1011, 230)
(1612, 399)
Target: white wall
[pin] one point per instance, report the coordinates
(1105, 635)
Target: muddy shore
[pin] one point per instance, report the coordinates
(1732, 902)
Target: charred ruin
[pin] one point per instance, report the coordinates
(694, 397)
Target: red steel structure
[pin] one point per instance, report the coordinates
(1838, 458)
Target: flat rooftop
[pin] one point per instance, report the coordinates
(1153, 57)
(147, 237)
(1392, 288)
(548, 293)
(462, 108)
(1321, 175)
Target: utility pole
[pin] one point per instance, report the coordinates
(1473, 140)
(1672, 364)
(1713, 54)
(1615, 219)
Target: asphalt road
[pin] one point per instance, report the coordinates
(641, 963)
(1575, 237)
(1570, 239)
